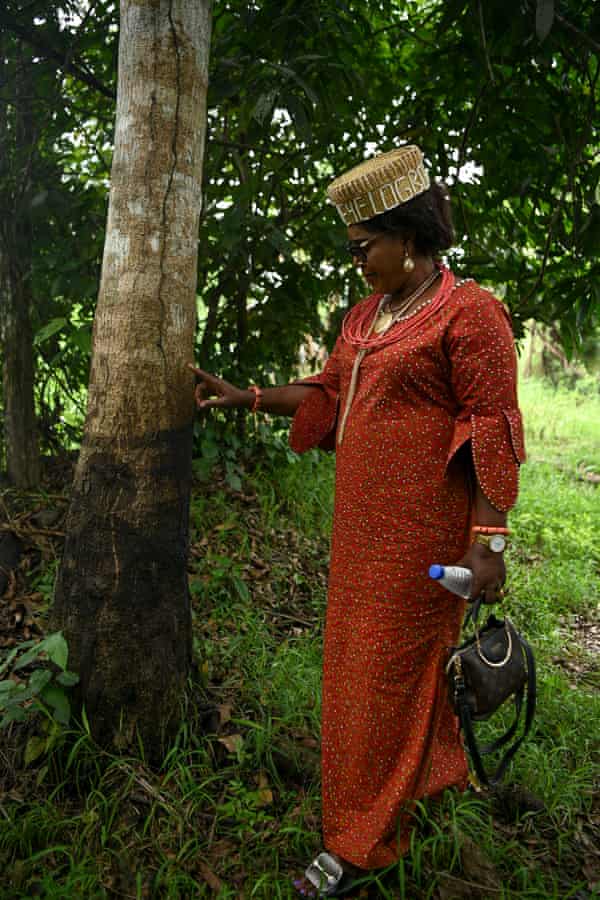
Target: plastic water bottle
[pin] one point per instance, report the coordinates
(454, 578)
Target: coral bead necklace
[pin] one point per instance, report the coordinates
(359, 327)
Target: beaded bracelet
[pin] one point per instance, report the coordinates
(258, 395)
(489, 529)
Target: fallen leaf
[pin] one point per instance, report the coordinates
(224, 713)
(212, 880)
(452, 888)
(476, 865)
(591, 870)
(265, 794)
(232, 742)
(265, 797)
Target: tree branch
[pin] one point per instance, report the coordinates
(484, 41)
(583, 37)
(402, 27)
(70, 66)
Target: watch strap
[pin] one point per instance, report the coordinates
(486, 540)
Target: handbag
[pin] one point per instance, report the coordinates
(496, 663)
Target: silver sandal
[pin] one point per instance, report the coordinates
(327, 875)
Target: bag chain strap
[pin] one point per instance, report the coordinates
(490, 662)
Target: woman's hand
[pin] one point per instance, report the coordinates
(212, 392)
(489, 572)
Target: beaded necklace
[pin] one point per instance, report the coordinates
(386, 317)
(357, 327)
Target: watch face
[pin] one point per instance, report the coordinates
(497, 543)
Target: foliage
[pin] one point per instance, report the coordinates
(55, 138)
(44, 688)
(529, 219)
(499, 98)
(502, 99)
(283, 117)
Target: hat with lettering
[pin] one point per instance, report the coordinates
(379, 184)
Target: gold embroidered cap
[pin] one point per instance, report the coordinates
(379, 184)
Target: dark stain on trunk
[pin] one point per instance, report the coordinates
(122, 596)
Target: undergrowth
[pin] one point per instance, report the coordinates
(234, 809)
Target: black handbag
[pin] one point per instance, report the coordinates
(496, 663)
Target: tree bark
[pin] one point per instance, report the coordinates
(20, 427)
(528, 369)
(18, 368)
(121, 597)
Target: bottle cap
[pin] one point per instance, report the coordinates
(436, 572)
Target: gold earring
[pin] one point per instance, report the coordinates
(408, 265)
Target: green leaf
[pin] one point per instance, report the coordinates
(55, 697)
(264, 105)
(14, 714)
(6, 664)
(48, 330)
(56, 647)
(29, 657)
(209, 450)
(544, 18)
(34, 748)
(298, 113)
(41, 775)
(82, 337)
(39, 199)
(290, 73)
(234, 481)
(68, 679)
(6, 687)
(242, 589)
(39, 679)
(280, 241)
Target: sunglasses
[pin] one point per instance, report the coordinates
(360, 249)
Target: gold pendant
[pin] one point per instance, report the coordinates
(383, 322)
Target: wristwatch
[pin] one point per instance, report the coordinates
(494, 542)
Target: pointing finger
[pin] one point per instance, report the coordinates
(212, 403)
(200, 372)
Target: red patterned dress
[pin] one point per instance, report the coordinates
(403, 500)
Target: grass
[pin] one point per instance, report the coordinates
(562, 423)
(234, 809)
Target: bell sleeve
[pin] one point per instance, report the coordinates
(315, 421)
(480, 347)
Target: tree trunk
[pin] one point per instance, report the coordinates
(20, 429)
(241, 307)
(528, 369)
(122, 597)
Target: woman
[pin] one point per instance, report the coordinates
(418, 398)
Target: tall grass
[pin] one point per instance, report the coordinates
(562, 424)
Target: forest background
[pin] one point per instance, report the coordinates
(503, 101)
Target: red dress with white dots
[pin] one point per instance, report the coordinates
(403, 501)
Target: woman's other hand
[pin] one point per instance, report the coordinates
(212, 392)
(489, 572)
